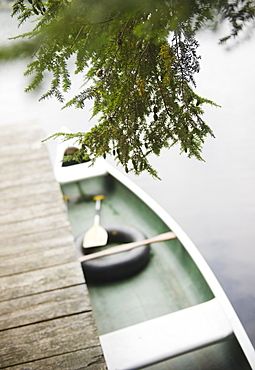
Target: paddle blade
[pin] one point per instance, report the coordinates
(96, 236)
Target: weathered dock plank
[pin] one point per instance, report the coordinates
(43, 240)
(30, 178)
(36, 259)
(17, 176)
(32, 194)
(29, 212)
(15, 154)
(23, 253)
(88, 358)
(44, 306)
(32, 226)
(46, 320)
(13, 169)
(46, 339)
(17, 137)
(55, 277)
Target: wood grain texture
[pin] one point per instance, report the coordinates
(24, 152)
(13, 168)
(88, 358)
(47, 339)
(39, 189)
(33, 225)
(31, 211)
(36, 259)
(44, 306)
(41, 280)
(42, 240)
(23, 179)
(46, 320)
(31, 195)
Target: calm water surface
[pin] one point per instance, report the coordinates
(213, 201)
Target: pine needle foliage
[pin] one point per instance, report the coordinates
(140, 58)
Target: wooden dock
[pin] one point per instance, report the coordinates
(46, 320)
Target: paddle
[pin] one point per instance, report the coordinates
(128, 246)
(96, 236)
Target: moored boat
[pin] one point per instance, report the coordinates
(158, 306)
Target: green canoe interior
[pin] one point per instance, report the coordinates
(170, 282)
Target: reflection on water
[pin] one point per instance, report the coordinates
(213, 201)
(233, 264)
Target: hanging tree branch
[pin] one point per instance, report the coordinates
(140, 57)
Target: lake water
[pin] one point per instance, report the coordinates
(213, 201)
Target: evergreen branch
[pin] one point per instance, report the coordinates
(160, 87)
(77, 36)
(140, 82)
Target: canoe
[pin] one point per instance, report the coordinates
(158, 306)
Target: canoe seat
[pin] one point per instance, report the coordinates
(168, 336)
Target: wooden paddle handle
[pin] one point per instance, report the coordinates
(128, 246)
(97, 199)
